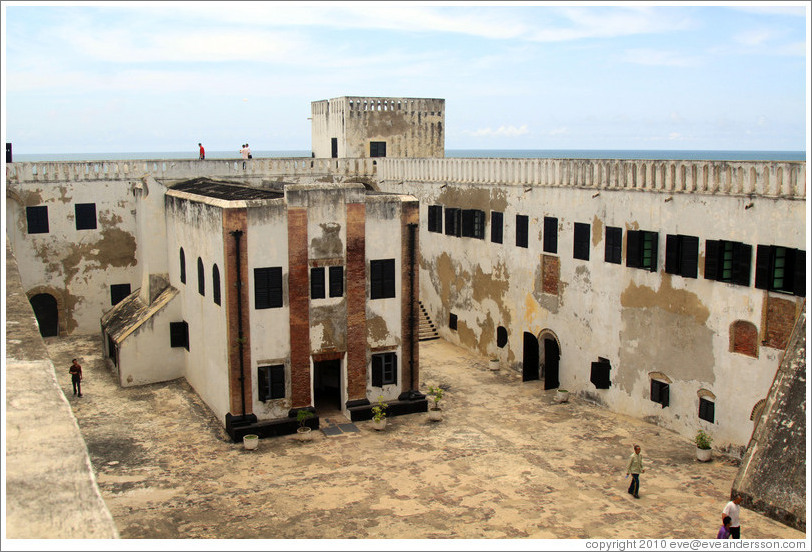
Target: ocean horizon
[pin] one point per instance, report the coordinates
(690, 155)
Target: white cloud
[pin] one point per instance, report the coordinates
(503, 130)
(589, 22)
(753, 37)
(648, 56)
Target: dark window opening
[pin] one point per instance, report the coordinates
(452, 321)
(600, 375)
(179, 334)
(377, 149)
(497, 221)
(268, 288)
(37, 219)
(317, 283)
(521, 230)
(614, 245)
(271, 382)
(501, 336)
(382, 279)
(659, 392)
(681, 255)
(201, 277)
(727, 261)
(111, 350)
(453, 224)
(706, 410)
(215, 284)
(550, 235)
(641, 249)
(118, 292)
(384, 369)
(580, 246)
(334, 148)
(182, 266)
(85, 216)
(473, 223)
(336, 281)
(436, 218)
(781, 269)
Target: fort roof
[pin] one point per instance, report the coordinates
(225, 190)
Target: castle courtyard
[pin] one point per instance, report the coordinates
(506, 462)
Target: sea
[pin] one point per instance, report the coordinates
(704, 155)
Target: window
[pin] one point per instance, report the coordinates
(215, 284)
(182, 266)
(271, 382)
(382, 279)
(268, 288)
(781, 269)
(118, 292)
(453, 223)
(473, 223)
(641, 249)
(580, 246)
(521, 230)
(179, 334)
(436, 218)
(377, 149)
(85, 216)
(614, 245)
(550, 235)
(37, 219)
(600, 375)
(452, 321)
(727, 261)
(681, 255)
(706, 409)
(497, 221)
(384, 369)
(201, 278)
(336, 281)
(317, 283)
(659, 392)
(501, 336)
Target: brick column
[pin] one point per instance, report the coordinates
(356, 302)
(299, 303)
(236, 219)
(410, 318)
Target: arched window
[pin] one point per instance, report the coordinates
(201, 278)
(501, 336)
(215, 284)
(182, 266)
(744, 338)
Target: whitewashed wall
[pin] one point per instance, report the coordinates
(146, 356)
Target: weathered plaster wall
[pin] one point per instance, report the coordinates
(145, 356)
(76, 266)
(641, 321)
(197, 227)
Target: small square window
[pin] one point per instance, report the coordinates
(452, 321)
(659, 392)
(85, 216)
(384, 369)
(681, 254)
(179, 334)
(614, 245)
(37, 219)
(382, 279)
(268, 288)
(118, 292)
(706, 410)
(436, 218)
(271, 382)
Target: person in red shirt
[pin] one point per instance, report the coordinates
(202, 151)
(75, 372)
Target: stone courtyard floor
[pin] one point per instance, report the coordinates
(506, 462)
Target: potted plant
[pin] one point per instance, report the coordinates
(703, 446)
(562, 395)
(379, 414)
(250, 441)
(304, 433)
(435, 412)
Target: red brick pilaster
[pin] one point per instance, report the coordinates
(299, 302)
(356, 302)
(236, 220)
(410, 288)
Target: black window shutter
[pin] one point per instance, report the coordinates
(377, 370)
(654, 242)
(664, 394)
(672, 254)
(742, 253)
(712, 248)
(496, 226)
(706, 410)
(550, 234)
(521, 230)
(580, 245)
(201, 277)
(263, 383)
(655, 391)
(261, 291)
(389, 278)
(275, 288)
(85, 216)
(799, 274)
(317, 282)
(633, 248)
(614, 245)
(215, 284)
(763, 254)
(689, 254)
(277, 387)
(479, 224)
(336, 281)
(468, 223)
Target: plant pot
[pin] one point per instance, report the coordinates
(379, 424)
(432, 402)
(493, 364)
(562, 396)
(703, 455)
(435, 414)
(250, 441)
(304, 434)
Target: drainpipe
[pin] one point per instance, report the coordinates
(237, 235)
(413, 393)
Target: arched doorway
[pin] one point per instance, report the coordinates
(550, 366)
(47, 313)
(530, 358)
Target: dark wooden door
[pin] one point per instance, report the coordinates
(47, 314)
(530, 359)
(551, 356)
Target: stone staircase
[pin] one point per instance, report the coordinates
(426, 331)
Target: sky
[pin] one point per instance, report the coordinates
(163, 76)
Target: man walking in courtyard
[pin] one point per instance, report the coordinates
(75, 372)
(635, 468)
(732, 509)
